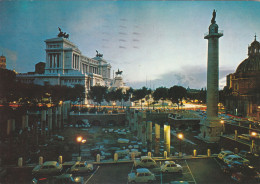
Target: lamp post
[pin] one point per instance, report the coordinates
(253, 136)
(80, 140)
(223, 126)
(114, 103)
(180, 137)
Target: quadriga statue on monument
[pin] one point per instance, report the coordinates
(61, 34)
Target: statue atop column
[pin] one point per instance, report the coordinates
(119, 72)
(213, 21)
(98, 54)
(61, 34)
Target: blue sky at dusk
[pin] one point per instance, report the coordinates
(155, 43)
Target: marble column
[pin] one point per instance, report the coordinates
(149, 131)
(59, 117)
(56, 119)
(144, 134)
(211, 127)
(167, 138)
(157, 139)
(50, 119)
(25, 120)
(43, 122)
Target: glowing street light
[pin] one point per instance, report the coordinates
(223, 126)
(81, 140)
(180, 137)
(253, 136)
(114, 103)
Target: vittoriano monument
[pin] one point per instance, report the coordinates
(211, 127)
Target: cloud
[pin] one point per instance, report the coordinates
(135, 33)
(122, 33)
(194, 77)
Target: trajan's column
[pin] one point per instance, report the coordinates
(211, 127)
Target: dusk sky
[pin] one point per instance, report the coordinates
(155, 43)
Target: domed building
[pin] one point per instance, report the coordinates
(245, 84)
(3, 62)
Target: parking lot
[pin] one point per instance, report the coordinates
(195, 171)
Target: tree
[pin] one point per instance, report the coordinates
(202, 95)
(119, 95)
(176, 94)
(160, 93)
(139, 94)
(97, 93)
(148, 96)
(127, 94)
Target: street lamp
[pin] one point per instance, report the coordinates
(253, 136)
(223, 126)
(180, 137)
(81, 140)
(114, 103)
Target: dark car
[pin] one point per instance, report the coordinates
(229, 168)
(241, 172)
(248, 155)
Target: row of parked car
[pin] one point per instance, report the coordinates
(144, 175)
(53, 172)
(238, 167)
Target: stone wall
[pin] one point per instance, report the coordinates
(99, 119)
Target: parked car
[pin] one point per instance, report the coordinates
(179, 182)
(61, 179)
(81, 167)
(67, 165)
(145, 161)
(48, 168)
(245, 137)
(233, 167)
(248, 175)
(248, 155)
(222, 154)
(41, 180)
(232, 158)
(67, 179)
(58, 137)
(141, 175)
(171, 166)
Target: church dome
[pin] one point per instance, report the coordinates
(252, 63)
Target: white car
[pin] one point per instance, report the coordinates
(145, 162)
(48, 168)
(171, 166)
(141, 175)
(81, 167)
(235, 158)
(244, 137)
(225, 153)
